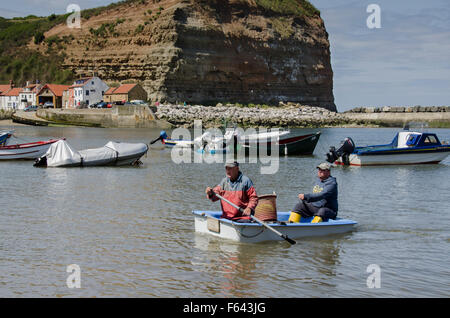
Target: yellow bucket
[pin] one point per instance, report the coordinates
(294, 217)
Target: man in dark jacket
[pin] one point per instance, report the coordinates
(322, 203)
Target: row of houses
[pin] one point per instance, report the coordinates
(82, 93)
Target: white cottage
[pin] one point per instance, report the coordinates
(10, 99)
(28, 95)
(3, 90)
(86, 91)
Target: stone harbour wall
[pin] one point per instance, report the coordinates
(400, 109)
(287, 115)
(297, 115)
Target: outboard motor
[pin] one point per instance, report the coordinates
(40, 162)
(162, 136)
(344, 151)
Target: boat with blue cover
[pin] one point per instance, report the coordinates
(407, 147)
(210, 222)
(4, 136)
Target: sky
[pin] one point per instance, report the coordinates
(406, 62)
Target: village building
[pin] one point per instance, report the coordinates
(51, 93)
(10, 99)
(125, 92)
(85, 91)
(67, 97)
(3, 90)
(28, 95)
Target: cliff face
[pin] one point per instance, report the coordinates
(206, 51)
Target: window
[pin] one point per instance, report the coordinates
(430, 140)
(87, 93)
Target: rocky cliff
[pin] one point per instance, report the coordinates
(206, 51)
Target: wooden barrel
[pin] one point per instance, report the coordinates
(266, 210)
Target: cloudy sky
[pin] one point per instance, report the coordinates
(405, 62)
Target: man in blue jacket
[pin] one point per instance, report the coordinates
(322, 203)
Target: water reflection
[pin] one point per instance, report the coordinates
(231, 259)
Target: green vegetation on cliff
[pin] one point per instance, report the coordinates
(296, 7)
(19, 64)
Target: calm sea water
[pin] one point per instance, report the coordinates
(131, 231)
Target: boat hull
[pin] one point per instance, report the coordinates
(209, 222)
(298, 145)
(178, 143)
(29, 151)
(404, 158)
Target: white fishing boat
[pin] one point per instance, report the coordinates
(281, 141)
(31, 150)
(209, 222)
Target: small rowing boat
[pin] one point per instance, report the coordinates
(209, 222)
(31, 150)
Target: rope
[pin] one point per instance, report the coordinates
(248, 236)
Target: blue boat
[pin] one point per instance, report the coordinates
(4, 136)
(407, 147)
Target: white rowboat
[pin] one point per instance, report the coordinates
(30, 150)
(209, 222)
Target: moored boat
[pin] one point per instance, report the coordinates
(408, 147)
(31, 150)
(286, 143)
(209, 222)
(61, 154)
(4, 137)
(173, 143)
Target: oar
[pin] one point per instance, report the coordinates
(285, 237)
